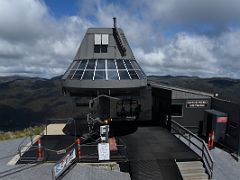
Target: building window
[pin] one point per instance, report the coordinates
(100, 43)
(177, 110)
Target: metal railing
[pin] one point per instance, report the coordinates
(198, 143)
(90, 153)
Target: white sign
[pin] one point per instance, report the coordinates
(197, 103)
(64, 163)
(103, 151)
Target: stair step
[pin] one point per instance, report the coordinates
(195, 178)
(192, 170)
(190, 167)
(190, 163)
(186, 171)
(195, 175)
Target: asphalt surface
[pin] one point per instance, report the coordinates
(152, 152)
(44, 171)
(225, 166)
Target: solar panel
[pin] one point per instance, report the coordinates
(104, 69)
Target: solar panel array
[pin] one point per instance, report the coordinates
(104, 69)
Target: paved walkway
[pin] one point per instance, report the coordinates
(152, 151)
(225, 167)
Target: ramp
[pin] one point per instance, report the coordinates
(152, 152)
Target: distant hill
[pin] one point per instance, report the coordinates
(24, 100)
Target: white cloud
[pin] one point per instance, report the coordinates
(33, 42)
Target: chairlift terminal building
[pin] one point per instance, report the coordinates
(105, 65)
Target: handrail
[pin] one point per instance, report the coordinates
(201, 145)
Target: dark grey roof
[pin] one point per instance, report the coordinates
(86, 49)
(215, 112)
(104, 63)
(176, 94)
(182, 93)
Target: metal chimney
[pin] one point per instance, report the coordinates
(114, 22)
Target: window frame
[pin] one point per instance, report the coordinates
(179, 104)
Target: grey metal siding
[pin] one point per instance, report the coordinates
(192, 117)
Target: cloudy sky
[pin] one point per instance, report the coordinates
(168, 37)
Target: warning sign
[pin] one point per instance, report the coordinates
(103, 151)
(222, 119)
(64, 163)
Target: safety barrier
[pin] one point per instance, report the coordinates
(211, 140)
(198, 143)
(89, 152)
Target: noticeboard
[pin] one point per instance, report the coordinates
(103, 151)
(64, 163)
(196, 103)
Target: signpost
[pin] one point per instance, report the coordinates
(103, 151)
(64, 164)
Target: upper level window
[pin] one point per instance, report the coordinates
(100, 43)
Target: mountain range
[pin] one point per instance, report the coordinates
(28, 100)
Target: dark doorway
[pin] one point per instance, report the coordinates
(161, 106)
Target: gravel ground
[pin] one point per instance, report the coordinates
(225, 167)
(43, 171)
(7, 150)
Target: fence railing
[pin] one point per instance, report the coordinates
(199, 145)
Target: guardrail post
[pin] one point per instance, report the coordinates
(212, 140)
(39, 150)
(19, 152)
(209, 141)
(78, 148)
(189, 137)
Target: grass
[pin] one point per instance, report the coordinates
(21, 133)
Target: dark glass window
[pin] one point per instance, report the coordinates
(104, 48)
(101, 64)
(100, 75)
(88, 75)
(71, 74)
(100, 48)
(75, 65)
(176, 110)
(133, 74)
(135, 65)
(128, 64)
(111, 64)
(120, 64)
(97, 48)
(113, 75)
(78, 74)
(91, 64)
(83, 64)
(123, 75)
(140, 74)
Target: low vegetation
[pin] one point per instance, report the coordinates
(21, 133)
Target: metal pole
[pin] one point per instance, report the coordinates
(75, 129)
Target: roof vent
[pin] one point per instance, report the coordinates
(114, 22)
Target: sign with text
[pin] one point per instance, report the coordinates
(222, 119)
(103, 151)
(196, 103)
(64, 163)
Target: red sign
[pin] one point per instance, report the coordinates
(222, 119)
